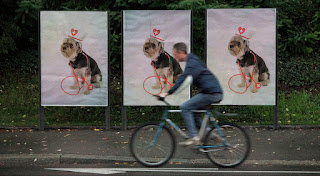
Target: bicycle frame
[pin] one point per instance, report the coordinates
(208, 116)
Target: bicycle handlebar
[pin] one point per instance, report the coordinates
(159, 97)
(162, 99)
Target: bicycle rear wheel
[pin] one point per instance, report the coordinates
(152, 147)
(234, 151)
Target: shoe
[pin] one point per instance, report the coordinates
(191, 141)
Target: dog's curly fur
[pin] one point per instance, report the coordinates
(162, 61)
(240, 48)
(83, 65)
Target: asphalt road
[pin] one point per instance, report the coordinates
(95, 152)
(134, 169)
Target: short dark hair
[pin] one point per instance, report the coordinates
(180, 47)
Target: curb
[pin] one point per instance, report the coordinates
(47, 159)
(29, 159)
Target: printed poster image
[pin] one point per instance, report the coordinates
(74, 58)
(149, 67)
(241, 52)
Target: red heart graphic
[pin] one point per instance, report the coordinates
(156, 32)
(74, 32)
(241, 30)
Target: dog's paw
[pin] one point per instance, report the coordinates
(86, 92)
(74, 87)
(265, 83)
(97, 85)
(254, 90)
(241, 85)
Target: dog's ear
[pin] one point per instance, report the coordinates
(246, 46)
(79, 50)
(161, 47)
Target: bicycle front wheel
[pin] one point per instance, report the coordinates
(233, 151)
(152, 146)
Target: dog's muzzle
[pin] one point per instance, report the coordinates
(146, 50)
(64, 49)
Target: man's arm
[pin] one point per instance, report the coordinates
(192, 69)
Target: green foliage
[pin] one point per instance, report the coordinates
(27, 18)
(299, 72)
(250, 115)
(74, 116)
(298, 27)
(299, 108)
(115, 41)
(19, 101)
(24, 63)
(27, 13)
(10, 33)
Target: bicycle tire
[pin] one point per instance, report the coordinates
(235, 153)
(152, 155)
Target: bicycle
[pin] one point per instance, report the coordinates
(226, 145)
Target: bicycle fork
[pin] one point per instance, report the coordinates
(156, 137)
(161, 126)
(220, 133)
(202, 133)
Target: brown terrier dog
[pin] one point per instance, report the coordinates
(162, 61)
(83, 65)
(240, 48)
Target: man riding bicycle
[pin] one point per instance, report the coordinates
(209, 89)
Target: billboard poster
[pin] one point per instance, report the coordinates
(148, 64)
(241, 52)
(74, 58)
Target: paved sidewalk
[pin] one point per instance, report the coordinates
(283, 146)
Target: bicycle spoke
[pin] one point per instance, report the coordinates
(162, 149)
(235, 153)
(237, 148)
(146, 151)
(238, 151)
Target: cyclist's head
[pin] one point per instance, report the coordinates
(180, 51)
(180, 47)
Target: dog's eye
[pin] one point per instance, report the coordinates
(153, 45)
(71, 45)
(238, 43)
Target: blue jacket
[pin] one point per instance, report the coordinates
(206, 82)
